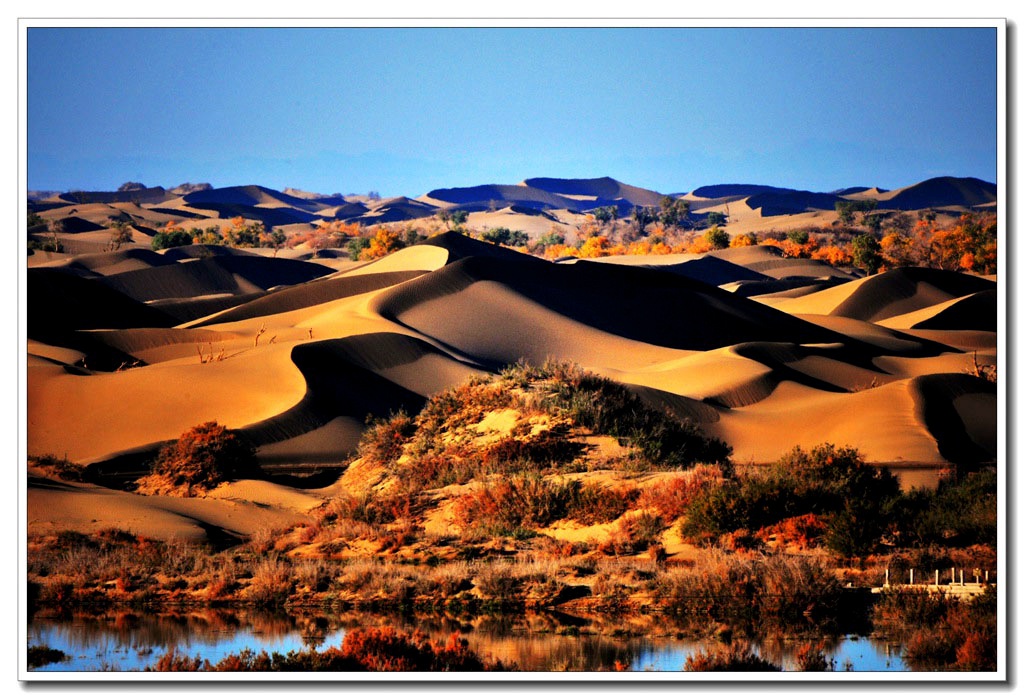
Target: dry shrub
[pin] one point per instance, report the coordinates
(547, 449)
(63, 469)
(450, 579)
(561, 549)
(671, 497)
(383, 441)
(499, 581)
(44, 655)
(369, 508)
(378, 650)
(271, 583)
(632, 534)
(201, 459)
(513, 505)
(594, 504)
(386, 649)
(173, 661)
(802, 531)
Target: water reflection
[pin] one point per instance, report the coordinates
(533, 642)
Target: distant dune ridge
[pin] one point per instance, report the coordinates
(533, 205)
(128, 349)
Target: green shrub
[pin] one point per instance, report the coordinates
(857, 500)
(607, 407)
(171, 239)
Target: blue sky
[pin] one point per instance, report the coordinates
(403, 111)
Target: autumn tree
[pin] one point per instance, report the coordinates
(452, 219)
(383, 242)
(798, 237)
(596, 246)
(835, 255)
(970, 245)
(743, 240)
(898, 250)
(210, 235)
(120, 233)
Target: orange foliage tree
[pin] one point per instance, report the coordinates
(383, 242)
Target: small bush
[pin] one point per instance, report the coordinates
(856, 500)
(513, 505)
(200, 460)
(633, 534)
(671, 498)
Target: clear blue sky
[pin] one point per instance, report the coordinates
(403, 111)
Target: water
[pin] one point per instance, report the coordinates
(130, 643)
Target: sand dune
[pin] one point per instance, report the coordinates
(768, 260)
(923, 420)
(347, 380)
(313, 293)
(974, 312)
(89, 417)
(416, 258)
(601, 188)
(781, 288)
(886, 295)
(216, 275)
(107, 263)
(636, 304)
(940, 192)
(706, 268)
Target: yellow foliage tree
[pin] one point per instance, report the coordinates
(383, 242)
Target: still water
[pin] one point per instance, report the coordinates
(539, 643)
